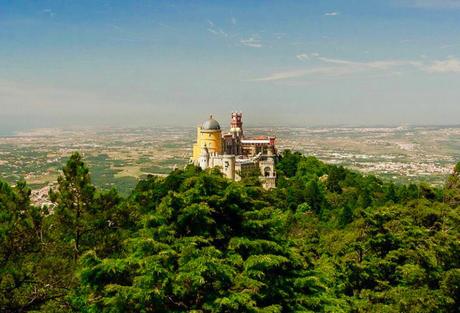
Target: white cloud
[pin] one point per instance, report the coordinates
(251, 42)
(316, 72)
(49, 12)
(218, 32)
(336, 61)
(213, 29)
(339, 67)
(431, 4)
(331, 13)
(282, 75)
(450, 65)
(448, 46)
(303, 57)
(306, 57)
(379, 64)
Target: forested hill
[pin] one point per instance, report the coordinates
(326, 240)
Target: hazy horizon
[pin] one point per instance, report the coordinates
(290, 63)
(17, 129)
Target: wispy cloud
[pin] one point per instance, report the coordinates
(326, 71)
(447, 46)
(378, 65)
(303, 57)
(48, 12)
(307, 56)
(431, 4)
(218, 32)
(282, 75)
(251, 42)
(334, 13)
(450, 65)
(233, 38)
(279, 36)
(334, 68)
(213, 29)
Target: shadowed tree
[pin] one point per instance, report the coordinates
(315, 196)
(30, 274)
(452, 188)
(74, 198)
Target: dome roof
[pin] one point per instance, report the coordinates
(210, 124)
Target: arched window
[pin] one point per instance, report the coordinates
(267, 172)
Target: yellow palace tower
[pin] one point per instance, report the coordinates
(209, 136)
(234, 153)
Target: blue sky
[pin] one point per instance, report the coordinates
(303, 63)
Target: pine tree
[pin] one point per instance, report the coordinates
(452, 188)
(74, 199)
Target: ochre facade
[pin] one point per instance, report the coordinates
(212, 139)
(235, 154)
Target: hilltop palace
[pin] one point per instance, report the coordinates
(235, 154)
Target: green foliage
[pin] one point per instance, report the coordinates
(335, 175)
(30, 274)
(74, 199)
(289, 163)
(452, 188)
(86, 218)
(346, 216)
(251, 177)
(315, 196)
(206, 246)
(326, 240)
(395, 262)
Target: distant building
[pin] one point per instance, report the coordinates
(235, 154)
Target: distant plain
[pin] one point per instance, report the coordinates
(118, 157)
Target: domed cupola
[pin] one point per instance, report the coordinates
(210, 125)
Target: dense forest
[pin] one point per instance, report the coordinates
(328, 239)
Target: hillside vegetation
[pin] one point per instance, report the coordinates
(326, 240)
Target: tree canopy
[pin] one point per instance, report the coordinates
(328, 239)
